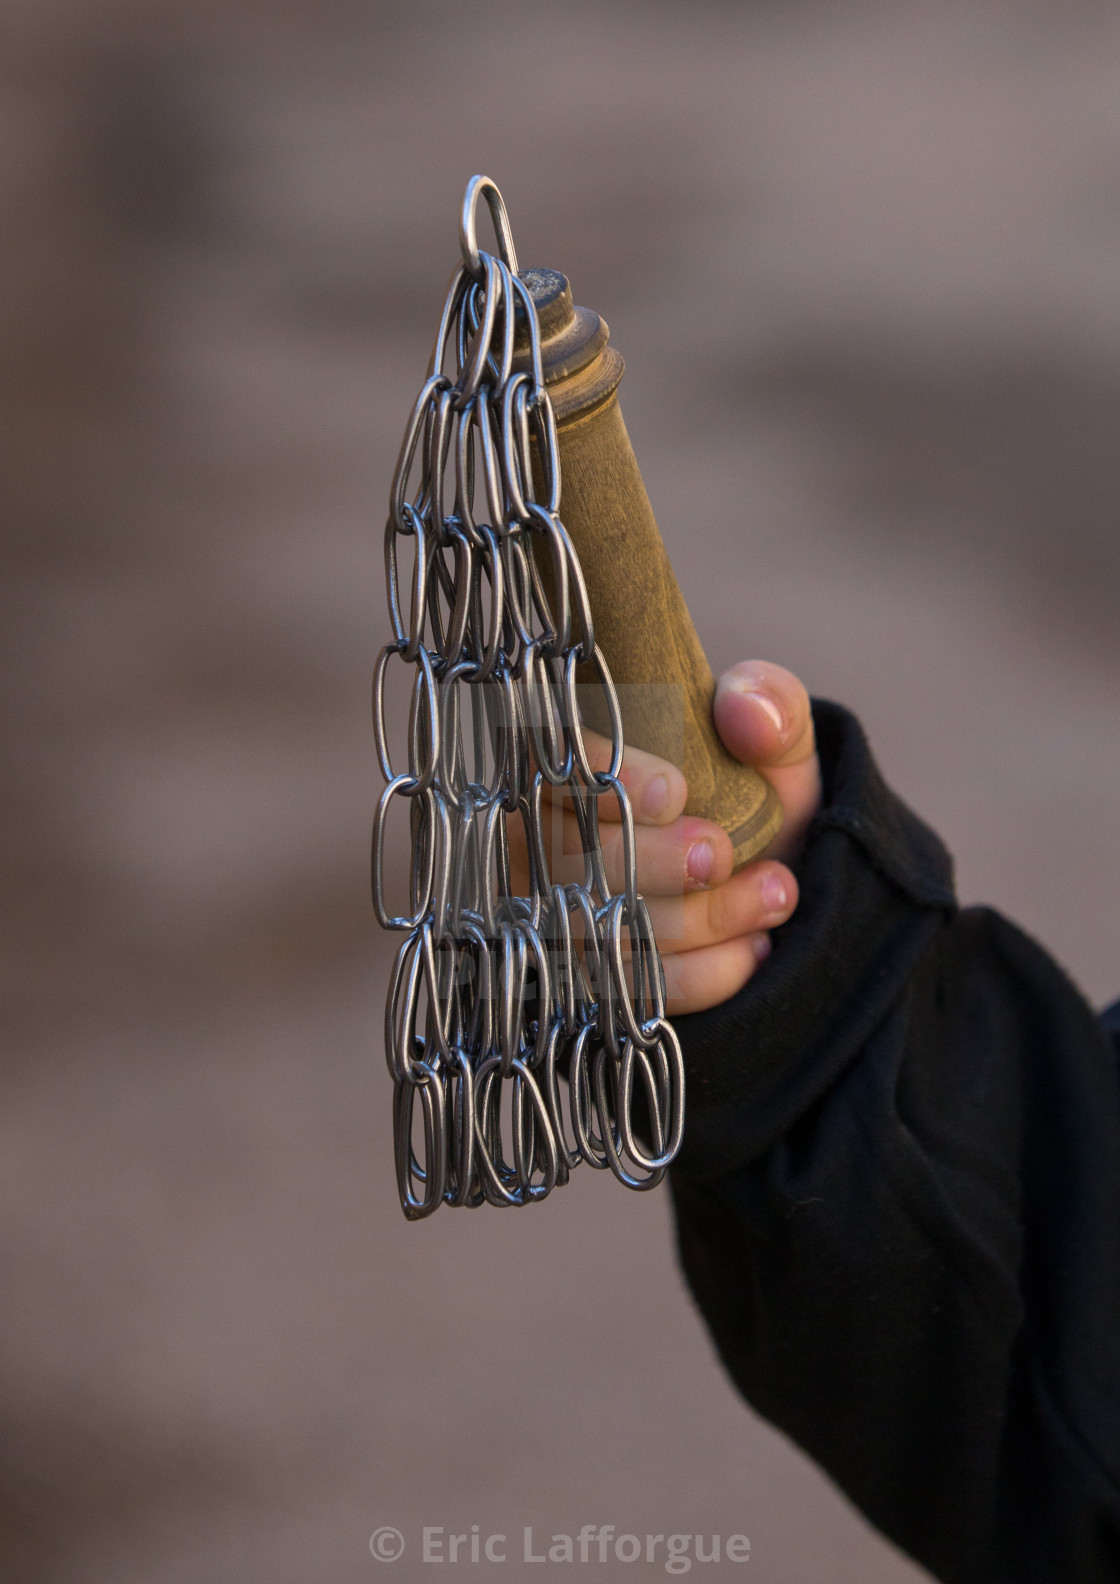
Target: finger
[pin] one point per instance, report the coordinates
(670, 859)
(763, 715)
(656, 788)
(697, 980)
(757, 898)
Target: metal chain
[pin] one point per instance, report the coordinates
(494, 996)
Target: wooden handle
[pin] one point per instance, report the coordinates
(642, 624)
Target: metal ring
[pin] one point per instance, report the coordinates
(399, 784)
(433, 1172)
(472, 373)
(483, 187)
(581, 1102)
(608, 1128)
(594, 777)
(411, 637)
(668, 1105)
(424, 683)
(497, 1175)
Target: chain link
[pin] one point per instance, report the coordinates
(493, 996)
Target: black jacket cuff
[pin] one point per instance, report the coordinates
(876, 885)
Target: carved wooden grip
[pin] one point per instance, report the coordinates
(641, 621)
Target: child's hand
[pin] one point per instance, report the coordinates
(711, 925)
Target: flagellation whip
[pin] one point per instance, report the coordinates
(526, 576)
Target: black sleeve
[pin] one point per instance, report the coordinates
(898, 1203)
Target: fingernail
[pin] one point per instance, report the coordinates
(762, 946)
(775, 896)
(770, 708)
(655, 797)
(701, 857)
(749, 688)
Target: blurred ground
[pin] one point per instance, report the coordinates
(862, 264)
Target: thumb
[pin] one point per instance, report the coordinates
(763, 717)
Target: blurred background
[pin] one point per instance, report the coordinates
(862, 263)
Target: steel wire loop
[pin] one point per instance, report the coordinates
(495, 996)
